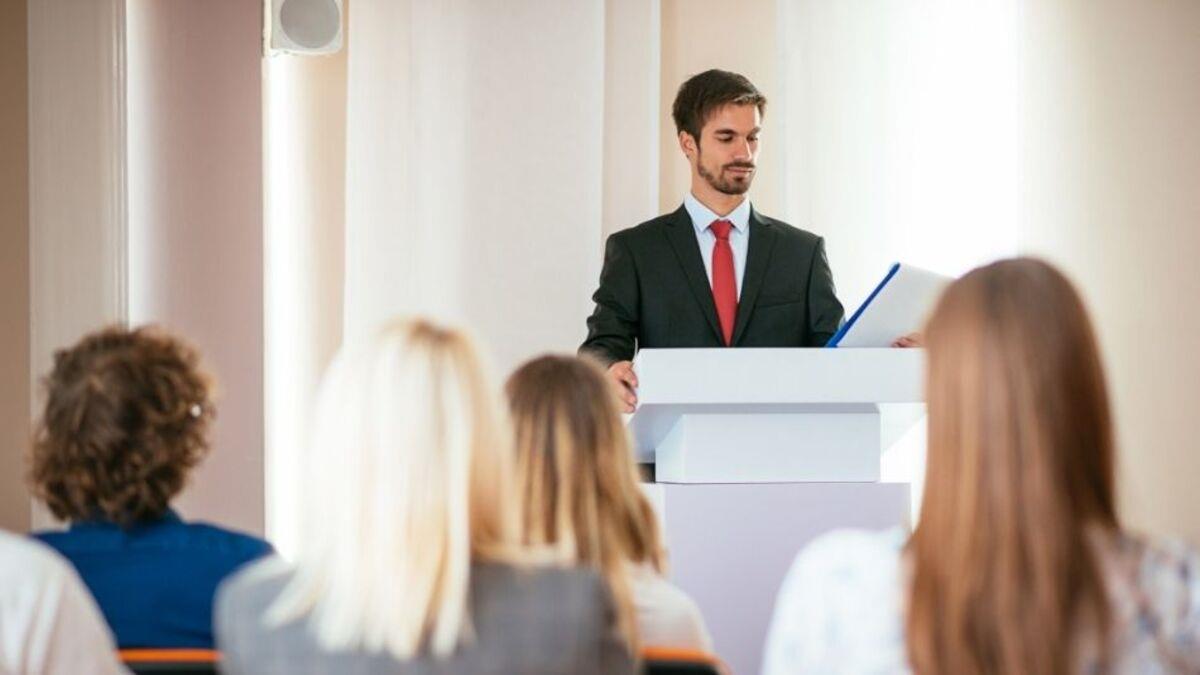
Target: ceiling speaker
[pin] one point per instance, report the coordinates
(305, 26)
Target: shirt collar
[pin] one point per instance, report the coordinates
(702, 216)
(100, 523)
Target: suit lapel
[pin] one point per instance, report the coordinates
(682, 235)
(758, 258)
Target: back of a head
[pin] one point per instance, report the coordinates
(407, 481)
(126, 418)
(576, 474)
(1019, 472)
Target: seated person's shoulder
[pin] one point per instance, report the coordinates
(652, 585)
(254, 586)
(235, 544)
(853, 559)
(548, 594)
(32, 561)
(539, 579)
(1167, 578)
(241, 602)
(529, 608)
(667, 616)
(52, 538)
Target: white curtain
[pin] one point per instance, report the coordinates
(78, 217)
(900, 132)
(474, 167)
(487, 148)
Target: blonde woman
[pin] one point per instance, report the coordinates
(408, 556)
(1018, 564)
(581, 497)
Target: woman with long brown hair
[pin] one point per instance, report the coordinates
(1018, 564)
(581, 500)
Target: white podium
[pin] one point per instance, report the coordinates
(757, 452)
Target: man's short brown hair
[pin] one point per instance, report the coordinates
(703, 94)
(126, 418)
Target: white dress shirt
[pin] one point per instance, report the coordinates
(49, 623)
(739, 236)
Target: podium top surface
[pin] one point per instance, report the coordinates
(753, 376)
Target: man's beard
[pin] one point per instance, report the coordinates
(730, 186)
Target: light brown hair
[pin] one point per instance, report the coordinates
(576, 476)
(1019, 476)
(126, 418)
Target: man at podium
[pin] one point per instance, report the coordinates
(715, 272)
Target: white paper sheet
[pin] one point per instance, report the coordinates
(897, 307)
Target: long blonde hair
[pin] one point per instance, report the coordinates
(1019, 477)
(408, 481)
(577, 479)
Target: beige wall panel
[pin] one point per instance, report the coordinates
(14, 264)
(1110, 189)
(702, 34)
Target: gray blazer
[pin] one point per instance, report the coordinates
(541, 620)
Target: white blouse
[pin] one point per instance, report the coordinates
(840, 607)
(49, 622)
(666, 616)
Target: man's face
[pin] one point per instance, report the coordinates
(727, 152)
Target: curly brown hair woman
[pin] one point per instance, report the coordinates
(126, 419)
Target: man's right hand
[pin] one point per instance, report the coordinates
(625, 380)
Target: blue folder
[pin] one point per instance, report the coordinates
(837, 337)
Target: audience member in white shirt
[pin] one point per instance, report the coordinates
(582, 500)
(49, 623)
(1018, 564)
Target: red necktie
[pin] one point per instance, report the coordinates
(724, 287)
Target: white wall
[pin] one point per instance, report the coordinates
(1110, 190)
(196, 220)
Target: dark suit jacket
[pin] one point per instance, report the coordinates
(654, 291)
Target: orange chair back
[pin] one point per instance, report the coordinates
(676, 661)
(171, 661)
